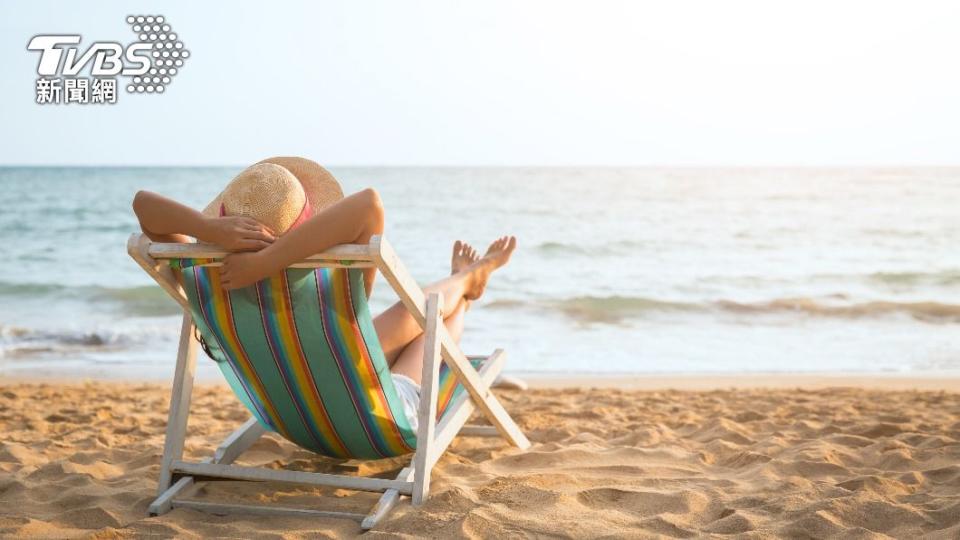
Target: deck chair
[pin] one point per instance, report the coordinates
(299, 350)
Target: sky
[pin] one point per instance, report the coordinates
(506, 83)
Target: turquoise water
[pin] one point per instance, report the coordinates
(619, 270)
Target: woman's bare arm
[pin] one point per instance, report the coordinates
(166, 220)
(352, 220)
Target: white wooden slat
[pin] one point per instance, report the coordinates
(429, 393)
(221, 508)
(163, 503)
(396, 274)
(256, 474)
(353, 252)
(310, 264)
(231, 448)
(483, 398)
(385, 504)
(461, 409)
(238, 441)
(137, 247)
(179, 402)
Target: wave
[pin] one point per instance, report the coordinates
(28, 289)
(615, 309)
(946, 277)
(619, 247)
(612, 309)
(887, 279)
(924, 311)
(883, 280)
(143, 301)
(146, 300)
(18, 342)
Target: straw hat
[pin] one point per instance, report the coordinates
(280, 193)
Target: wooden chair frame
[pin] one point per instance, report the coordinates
(179, 477)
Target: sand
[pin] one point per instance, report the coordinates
(81, 460)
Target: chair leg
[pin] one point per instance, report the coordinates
(429, 390)
(179, 402)
(238, 441)
(230, 449)
(164, 503)
(459, 411)
(483, 398)
(386, 502)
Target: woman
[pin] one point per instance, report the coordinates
(309, 214)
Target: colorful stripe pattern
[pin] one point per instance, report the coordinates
(300, 351)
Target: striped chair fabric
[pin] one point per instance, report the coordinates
(301, 353)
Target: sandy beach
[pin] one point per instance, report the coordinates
(719, 242)
(772, 456)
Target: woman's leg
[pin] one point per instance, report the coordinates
(396, 328)
(410, 360)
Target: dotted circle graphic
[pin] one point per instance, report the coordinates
(166, 51)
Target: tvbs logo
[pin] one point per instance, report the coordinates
(149, 63)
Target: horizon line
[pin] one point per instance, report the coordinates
(505, 166)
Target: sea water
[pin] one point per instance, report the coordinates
(617, 271)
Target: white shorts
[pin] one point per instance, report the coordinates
(409, 393)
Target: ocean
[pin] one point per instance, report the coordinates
(642, 270)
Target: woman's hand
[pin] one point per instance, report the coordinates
(237, 233)
(242, 269)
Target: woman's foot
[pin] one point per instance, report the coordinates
(463, 256)
(497, 255)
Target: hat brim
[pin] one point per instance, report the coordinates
(319, 186)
